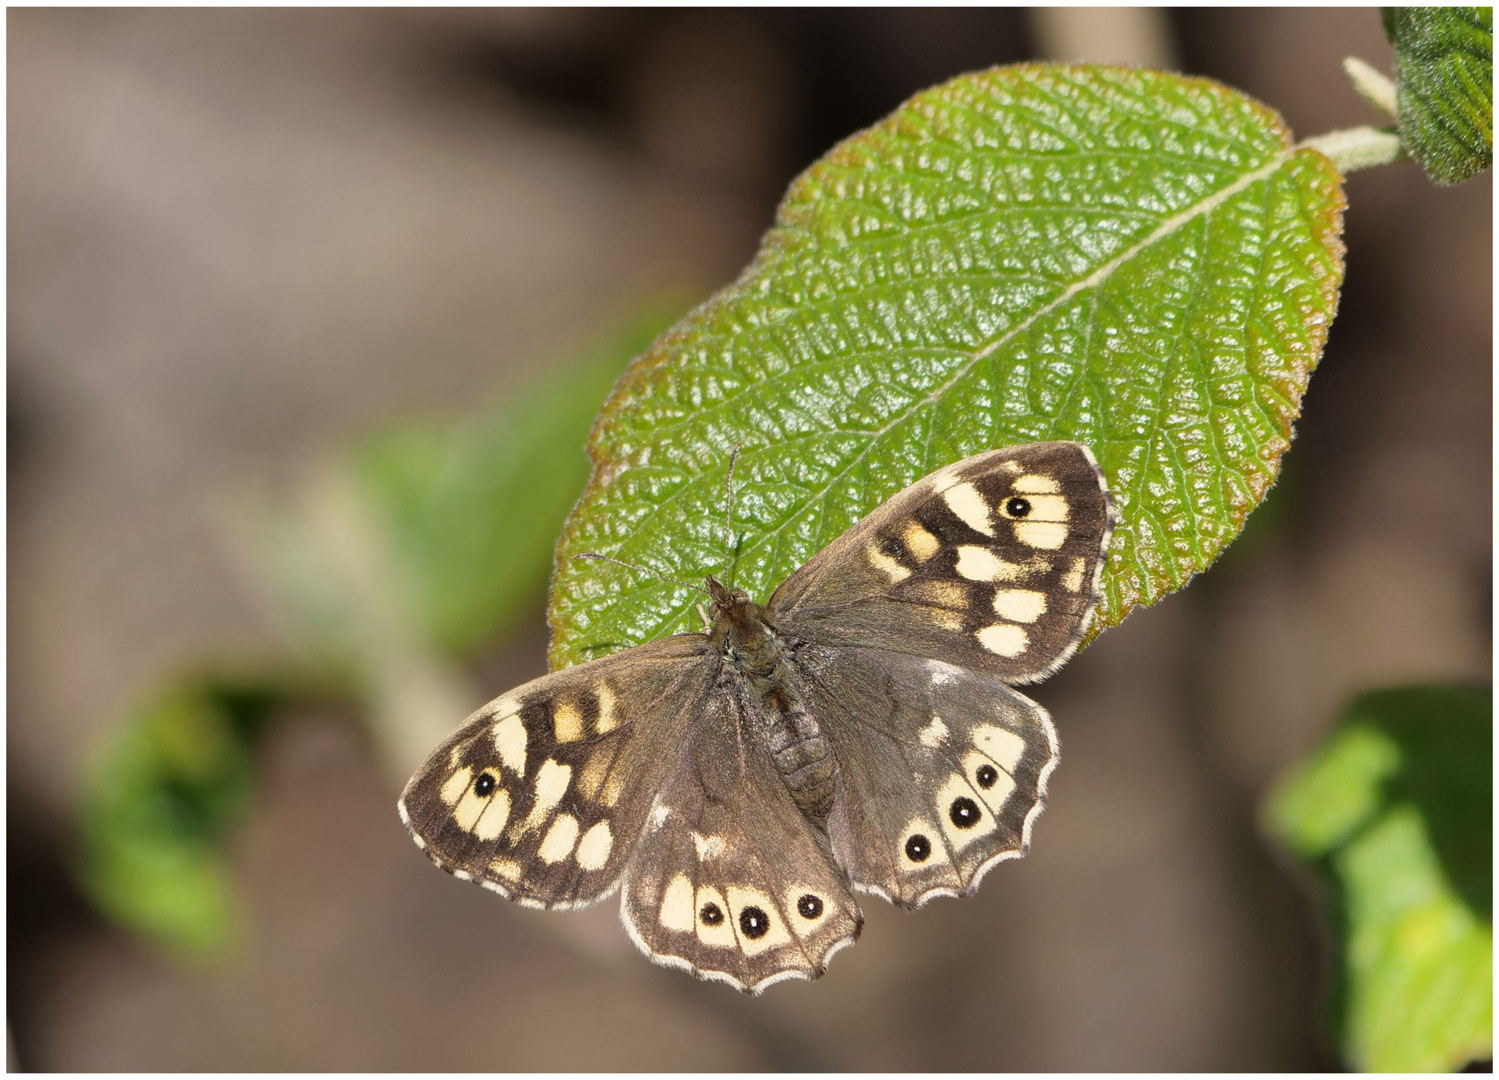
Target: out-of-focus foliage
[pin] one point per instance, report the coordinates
(159, 802)
(472, 508)
(1395, 813)
(1139, 261)
(1444, 63)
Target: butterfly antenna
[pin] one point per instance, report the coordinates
(728, 517)
(642, 569)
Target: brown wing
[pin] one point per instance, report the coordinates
(991, 563)
(941, 770)
(730, 881)
(541, 795)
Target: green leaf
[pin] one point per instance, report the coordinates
(472, 508)
(1395, 812)
(158, 804)
(1444, 64)
(1135, 260)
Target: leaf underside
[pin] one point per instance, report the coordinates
(1138, 261)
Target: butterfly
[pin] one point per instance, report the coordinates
(859, 732)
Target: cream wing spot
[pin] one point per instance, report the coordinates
(659, 813)
(567, 721)
(757, 921)
(934, 734)
(1047, 508)
(456, 785)
(1003, 639)
(708, 847)
(492, 821)
(591, 775)
(559, 840)
(942, 672)
(919, 542)
(999, 745)
(1072, 581)
(1048, 535)
(964, 818)
(806, 908)
(943, 479)
(965, 501)
(676, 905)
(607, 719)
(884, 563)
(1036, 484)
(920, 845)
(994, 784)
(593, 849)
(712, 918)
(551, 784)
(506, 869)
(510, 743)
(980, 564)
(470, 808)
(947, 620)
(1019, 605)
(948, 594)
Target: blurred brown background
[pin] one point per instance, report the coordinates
(239, 238)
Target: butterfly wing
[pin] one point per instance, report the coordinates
(639, 766)
(542, 794)
(730, 881)
(991, 563)
(942, 770)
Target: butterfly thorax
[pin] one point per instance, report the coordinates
(758, 667)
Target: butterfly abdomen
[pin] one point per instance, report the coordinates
(801, 754)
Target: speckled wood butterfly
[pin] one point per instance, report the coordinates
(858, 732)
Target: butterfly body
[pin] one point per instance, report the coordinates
(858, 731)
(759, 666)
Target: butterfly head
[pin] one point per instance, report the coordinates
(725, 599)
(741, 631)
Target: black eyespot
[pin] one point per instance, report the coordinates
(711, 914)
(918, 848)
(754, 923)
(484, 785)
(964, 812)
(810, 906)
(1018, 507)
(986, 776)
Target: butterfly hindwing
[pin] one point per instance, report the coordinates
(542, 793)
(942, 770)
(990, 563)
(730, 880)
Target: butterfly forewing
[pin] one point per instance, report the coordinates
(542, 793)
(730, 880)
(942, 770)
(990, 563)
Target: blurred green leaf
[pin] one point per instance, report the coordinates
(1395, 812)
(158, 803)
(472, 507)
(1135, 260)
(1444, 64)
